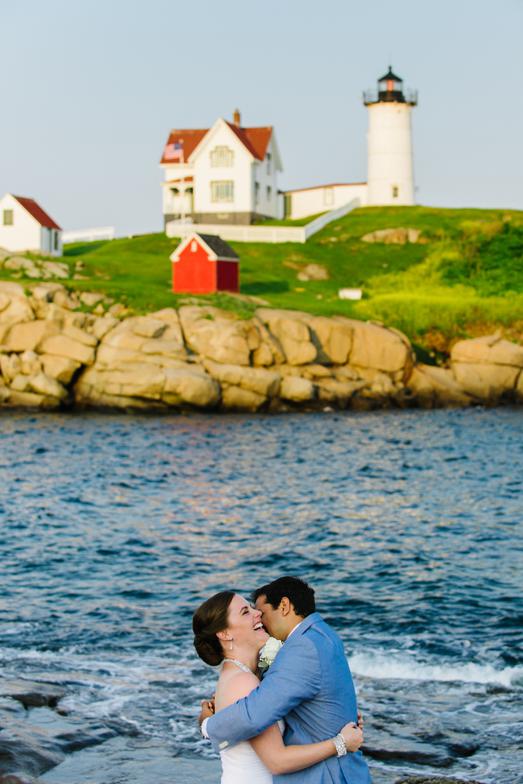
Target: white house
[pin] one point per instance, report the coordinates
(224, 174)
(24, 225)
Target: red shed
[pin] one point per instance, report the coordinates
(205, 264)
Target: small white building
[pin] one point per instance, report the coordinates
(224, 174)
(304, 202)
(25, 226)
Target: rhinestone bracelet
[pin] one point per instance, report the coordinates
(339, 742)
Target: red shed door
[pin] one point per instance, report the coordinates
(194, 273)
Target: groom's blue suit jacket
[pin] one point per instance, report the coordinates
(310, 686)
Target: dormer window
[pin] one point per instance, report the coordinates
(222, 156)
(8, 217)
(395, 191)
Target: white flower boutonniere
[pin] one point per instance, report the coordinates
(268, 653)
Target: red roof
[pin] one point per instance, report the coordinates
(189, 139)
(255, 140)
(34, 209)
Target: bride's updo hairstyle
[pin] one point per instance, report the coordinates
(209, 619)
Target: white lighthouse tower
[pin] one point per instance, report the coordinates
(390, 168)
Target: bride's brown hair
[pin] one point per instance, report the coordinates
(209, 619)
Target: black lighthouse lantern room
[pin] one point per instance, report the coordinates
(390, 90)
(390, 87)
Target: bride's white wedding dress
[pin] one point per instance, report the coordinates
(241, 764)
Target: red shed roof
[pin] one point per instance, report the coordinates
(255, 140)
(34, 209)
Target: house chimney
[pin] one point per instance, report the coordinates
(236, 118)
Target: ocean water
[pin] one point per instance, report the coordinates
(408, 524)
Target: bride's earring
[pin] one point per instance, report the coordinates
(230, 646)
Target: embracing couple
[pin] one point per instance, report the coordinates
(300, 722)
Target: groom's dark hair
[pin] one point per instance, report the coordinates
(300, 595)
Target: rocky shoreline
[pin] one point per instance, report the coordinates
(41, 743)
(61, 350)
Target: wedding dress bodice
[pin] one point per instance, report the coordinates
(241, 764)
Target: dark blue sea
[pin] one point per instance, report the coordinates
(408, 524)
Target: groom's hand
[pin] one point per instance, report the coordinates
(208, 709)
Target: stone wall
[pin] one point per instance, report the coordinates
(54, 354)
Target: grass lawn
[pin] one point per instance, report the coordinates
(465, 278)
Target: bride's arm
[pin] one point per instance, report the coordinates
(269, 746)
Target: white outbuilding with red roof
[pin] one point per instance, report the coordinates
(224, 174)
(25, 226)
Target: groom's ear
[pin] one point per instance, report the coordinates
(285, 606)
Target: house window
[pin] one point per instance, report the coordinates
(269, 192)
(395, 191)
(222, 156)
(8, 217)
(194, 246)
(328, 197)
(256, 192)
(268, 163)
(222, 190)
(55, 240)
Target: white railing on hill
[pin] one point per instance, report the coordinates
(229, 231)
(89, 235)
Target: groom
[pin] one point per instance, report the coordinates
(309, 685)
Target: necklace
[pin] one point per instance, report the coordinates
(239, 664)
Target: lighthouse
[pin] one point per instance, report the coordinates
(390, 173)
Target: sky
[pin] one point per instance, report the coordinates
(91, 89)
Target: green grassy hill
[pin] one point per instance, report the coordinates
(464, 278)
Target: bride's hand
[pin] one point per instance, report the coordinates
(352, 735)
(208, 709)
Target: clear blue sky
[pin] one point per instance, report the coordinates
(91, 88)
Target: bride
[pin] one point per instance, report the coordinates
(228, 631)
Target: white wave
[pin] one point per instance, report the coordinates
(404, 667)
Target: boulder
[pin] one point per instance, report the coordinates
(45, 292)
(136, 380)
(31, 400)
(377, 347)
(296, 389)
(63, 346)
(100, 326)
(333, 391)
(190, 385)
(17, 311)
(292, 333)
(489, 383)
(490, 349)
(334, 336)
(91, 298)
(10, 366)
(49, 387)
(80, 335)
(28, 335)
(238, 399)
(313, 272)
(434, 386)
(60, 368)
(219, 335)
(146, 326)
(12, 289)
(264, 382)
(30, 363)
(396, 236)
